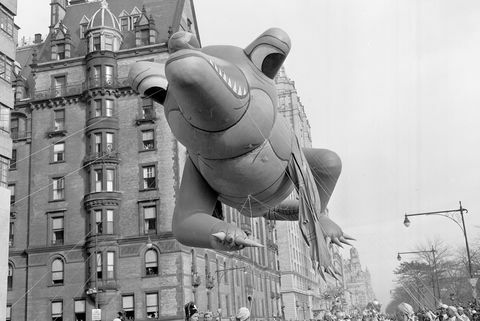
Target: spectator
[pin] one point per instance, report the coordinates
(461, 313)
(191, 312)
(404, 312)
(243, 314)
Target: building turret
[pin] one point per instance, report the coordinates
(57, 12)
(103, 31)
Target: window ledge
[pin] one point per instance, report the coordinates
(148, 189)
(54, 133)
(147, 150)
(54, 201)
(57, 162)
(56, 285)
(140, 121)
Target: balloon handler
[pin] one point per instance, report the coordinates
(221, 104)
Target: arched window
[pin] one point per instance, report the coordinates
(10, 277)
(151, 262)
(57, 271)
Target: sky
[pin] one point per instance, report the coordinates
(389, 85)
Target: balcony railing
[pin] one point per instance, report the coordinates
(102, 156)
(95, 82)
(15, 134)
(105, 82)
(78, 88)
(69, 90)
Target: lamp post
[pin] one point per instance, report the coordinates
(436, 295)
(450, 214)
(219, 278)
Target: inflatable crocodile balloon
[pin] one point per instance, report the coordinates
(221, 104)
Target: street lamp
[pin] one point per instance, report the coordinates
(450, 215)
(434, 276)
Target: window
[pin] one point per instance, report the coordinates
(5, 118)
(11, 187)
(59, 120)
(109, 138)
(99, 266)
(98, 108)
(150, 219)
(109, 75)
(6, 23)
(124, 23)
(148, 139)
(148, 173)
(151, 262)
(109, 222)
(10, 277)
(58, 188)
(147, 109)
(8, 313)
(14, 128)
(96, 75)
(57, 311)
(103, 221)
(83, 28)
(144, 37)
(108, 107)
(60, 51)
(96, 43)
(98, 173)
(152, 305)
(79, 310)
(59, 152)
(11, 234)
(98, 222)
(4, 164)
(57, 231)
(6, 68)
(128, 307)
(13, 161)
(109, 42)
(57, 272)
(110, 180)
(60, 84)
(110, 265)
(98, 143)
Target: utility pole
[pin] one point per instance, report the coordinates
(449, 214)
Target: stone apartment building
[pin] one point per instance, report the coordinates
(95, 177)
(357, 282)
(303, 290)
(8, 37)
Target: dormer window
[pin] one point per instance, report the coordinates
(83, 28)
(125, 23)
(60, 51)
(144, 37)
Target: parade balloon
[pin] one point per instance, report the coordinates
(221, 104)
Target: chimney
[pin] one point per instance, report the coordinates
(38, 38)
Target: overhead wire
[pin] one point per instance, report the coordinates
(50, 184)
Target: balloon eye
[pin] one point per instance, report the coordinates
(268, 51)
(272, 63)
(268, 59)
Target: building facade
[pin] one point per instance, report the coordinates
(8, 36)
(96, 178)
(357, 282)
(303, 290)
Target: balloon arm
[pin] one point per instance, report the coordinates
(193, 223)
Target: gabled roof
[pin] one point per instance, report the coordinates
(84, 20)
